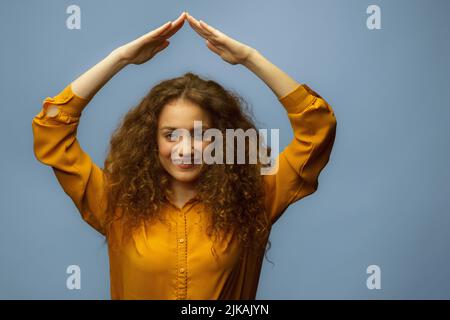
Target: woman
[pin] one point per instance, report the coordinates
(179, 231)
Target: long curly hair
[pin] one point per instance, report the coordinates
(137, 183)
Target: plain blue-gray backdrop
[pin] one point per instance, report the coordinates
(383, 198)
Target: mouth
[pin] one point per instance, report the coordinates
(185, 165)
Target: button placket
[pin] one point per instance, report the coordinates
(182, 254)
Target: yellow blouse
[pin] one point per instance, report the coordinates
(174, 260)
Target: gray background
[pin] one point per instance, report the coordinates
(383, 198)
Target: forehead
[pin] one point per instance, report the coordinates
(182, 114)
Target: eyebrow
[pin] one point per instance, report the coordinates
(174, 128)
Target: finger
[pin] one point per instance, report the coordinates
(214, 32)
(179, 21)
(164, 45)
(174, 29)
(182, 17)
(213, 48)
(166, 28)
(215, 38)
(159, 30)
(176, 25)
(196, 26)
(200, 32)
(154, 34)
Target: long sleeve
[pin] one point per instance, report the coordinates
(56, 145)
(299, 164)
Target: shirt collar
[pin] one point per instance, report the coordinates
(191, 200)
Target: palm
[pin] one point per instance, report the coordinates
(145, 47)
(229, 50)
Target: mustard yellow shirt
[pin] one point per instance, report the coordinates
(174, 260)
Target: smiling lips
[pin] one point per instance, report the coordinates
(185, 165)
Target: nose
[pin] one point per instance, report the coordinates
(185, 148)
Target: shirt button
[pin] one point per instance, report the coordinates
(181, 270)
(181, 240)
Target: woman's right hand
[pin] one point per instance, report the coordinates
(146, 46)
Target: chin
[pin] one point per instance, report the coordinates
(185, 175)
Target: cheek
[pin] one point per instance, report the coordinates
(205, 144)
(165, 148)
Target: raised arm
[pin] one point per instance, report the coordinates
(235, 52)
(312, 120)
(314, 127)
(299, 164)
(55, 126)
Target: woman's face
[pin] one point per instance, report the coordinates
(183, 146)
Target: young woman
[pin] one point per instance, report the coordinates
(180, 231)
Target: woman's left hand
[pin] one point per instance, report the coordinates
(230, 50)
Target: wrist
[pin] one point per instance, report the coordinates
(118, 59)
(251, 58)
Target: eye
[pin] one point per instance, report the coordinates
(172, 136)
(168, 136)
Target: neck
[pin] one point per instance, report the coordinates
(182, 191)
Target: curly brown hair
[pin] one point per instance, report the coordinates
(137, 182)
